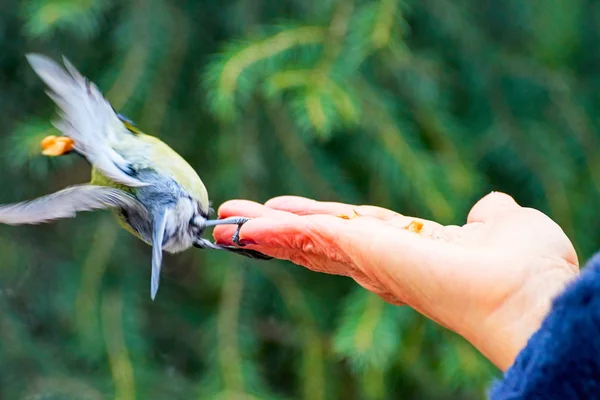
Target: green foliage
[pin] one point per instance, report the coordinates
(369, 334)
(75, 16)
(418, 106)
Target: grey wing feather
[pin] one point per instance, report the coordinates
(158, 234)
(86, 117)
(66, 203)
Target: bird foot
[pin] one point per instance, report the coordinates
(239, 221)
(236, 236)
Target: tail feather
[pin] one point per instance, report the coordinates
(86, 117)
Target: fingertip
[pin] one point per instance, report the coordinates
(225, 207)
(490, 206)
(499, 199)
(223, 234)
(238, 207)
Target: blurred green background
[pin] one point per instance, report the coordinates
(419, 106)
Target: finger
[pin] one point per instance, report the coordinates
(223, 234)
(250, 209)
(307, 241)
(323, 235)
(296, 233)
(492, 206)
(303, 206)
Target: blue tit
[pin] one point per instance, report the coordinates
(156, 195)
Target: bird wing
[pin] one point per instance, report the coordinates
(66, 203)
(86, 117)
(158, 234)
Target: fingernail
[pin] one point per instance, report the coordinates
(247, 241)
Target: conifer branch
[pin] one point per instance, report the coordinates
(382, 31)
(230, 362)
(226, 74)
(116, 347)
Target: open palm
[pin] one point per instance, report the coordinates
(490, 280)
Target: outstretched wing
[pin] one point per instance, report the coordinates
(86, 117)
(66, 203)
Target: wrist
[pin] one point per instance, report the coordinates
(504, 332)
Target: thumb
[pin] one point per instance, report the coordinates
(491, 207)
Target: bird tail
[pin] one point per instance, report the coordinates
(86, 117)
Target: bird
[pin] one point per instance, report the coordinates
(154, 193)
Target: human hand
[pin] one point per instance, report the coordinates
(491, 280)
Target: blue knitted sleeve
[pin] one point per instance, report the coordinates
(562, 359)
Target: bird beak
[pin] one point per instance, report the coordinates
(56, 146)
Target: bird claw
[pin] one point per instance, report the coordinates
(239, 221)
(236, 235)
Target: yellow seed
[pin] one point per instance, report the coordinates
(354, 215)
(56, 146)
(415, 226)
